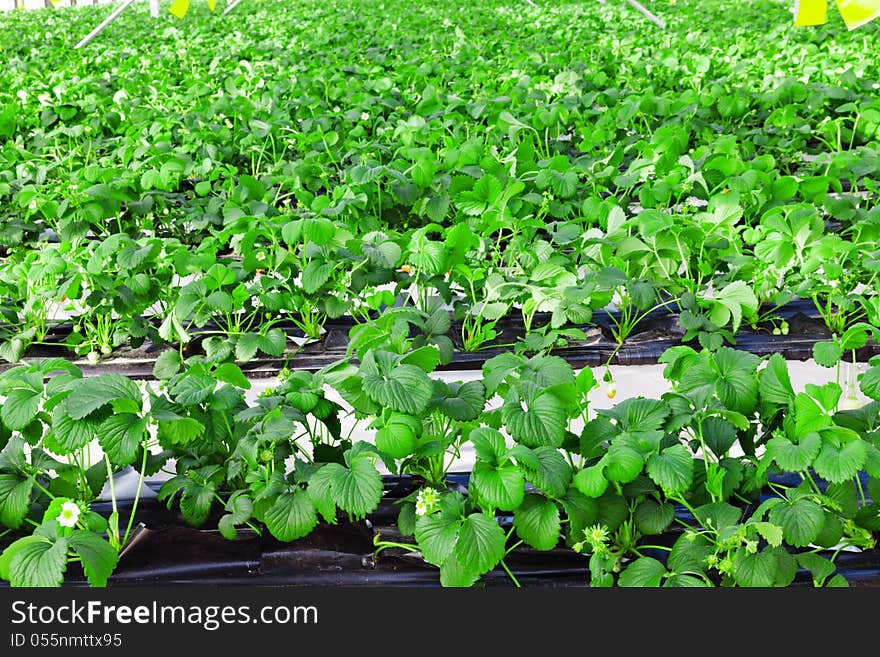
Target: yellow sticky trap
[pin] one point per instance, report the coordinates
(212, 4)
(810, 12)
(856, 13)
(179, 8)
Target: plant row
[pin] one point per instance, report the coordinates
(752, 479)
(238, 288)
(258, 178)
(155, 136)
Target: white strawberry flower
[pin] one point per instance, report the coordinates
(427, 501)
(69, 514)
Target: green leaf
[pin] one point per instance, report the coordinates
(356, 490)
(196, 501)
(179, 431)
(809, 416)
(488, 444)
(537, 522)
(11, 549)
(622, 463)
(591, 481)
(793, 457)
(232, 374)
(436, 208)
(638, 414)
(381, 251)
(404, 388)
(397, 440)
(754, 570)
(719, 434)
(480, 544)
(20, 408)
(319, 230)
(292, 516)
(246, 347)
(846, 495)
(120, 436)
(652, 517)
(775, 383)
(240, 508)
(736, 298)
(97, 555)
(454, 573)
(832, 531)
(15, 496)
(613, 510)
(463, 402)
(837, 464)
(643, 572)
(820, 567)
(772, 533)
(801, 520)
(92, 393)
(684, 581)
(534, 418)
(869, 382)
(272, 342)
(827, 353)
(498, 487)
(553, 473)
(672, 469)
(786, 566)
(316, 273)
(689, 554)
(406, 519)
(168, 363)
(737, 385)
(425, 358)
(69, 434)
(718, 516)
(436, 535)
(193, 389)
(39, 563)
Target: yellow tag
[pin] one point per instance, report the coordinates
(212, 4)
(856, 13)
(179, 8)
(810, 12)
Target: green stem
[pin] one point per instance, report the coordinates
(510, 575)
(384, 545)
(137, 497)
(113, 531)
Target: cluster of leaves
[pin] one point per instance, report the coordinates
(305, 179)
(753, 478)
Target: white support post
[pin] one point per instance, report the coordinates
(232, 6)
(647, 14)
(154, 8)
(112, 17)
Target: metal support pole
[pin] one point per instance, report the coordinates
(112, 17)
(231, 6)
(647, 14)
(154, 8)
